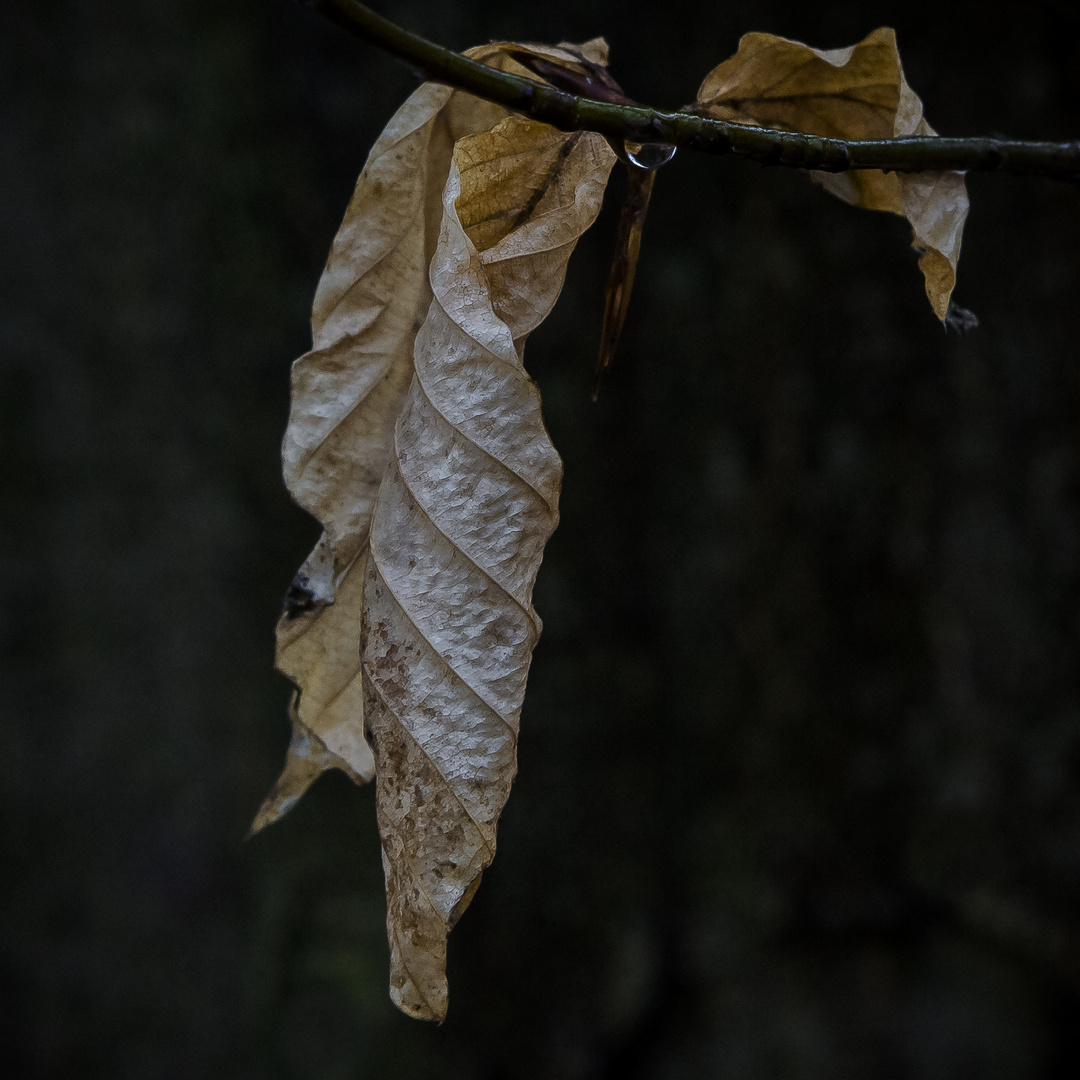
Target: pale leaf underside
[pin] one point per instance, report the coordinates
(464, 512)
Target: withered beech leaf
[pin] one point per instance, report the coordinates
(465, 508)
(346, 394)
(855, 93)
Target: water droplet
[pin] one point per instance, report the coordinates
(650, 155)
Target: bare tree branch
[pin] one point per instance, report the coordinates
(1059, 161)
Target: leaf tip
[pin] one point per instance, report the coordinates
(305, 760)
(939, 275)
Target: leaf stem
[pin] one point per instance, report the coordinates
(567, 112)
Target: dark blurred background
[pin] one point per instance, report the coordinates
(799, 789)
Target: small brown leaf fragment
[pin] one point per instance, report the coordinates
(306, 759)
(575, 70)
(346, 395)
(467, 504)
(855, 93)
(623, 266)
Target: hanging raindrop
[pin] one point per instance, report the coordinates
(649, 155)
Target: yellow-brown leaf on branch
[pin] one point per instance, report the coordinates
(466, 507)
(855, 93)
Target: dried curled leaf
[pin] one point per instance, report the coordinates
(467, 504)
(346, 395)
(307, 759)
(436, 492)
(854, 93)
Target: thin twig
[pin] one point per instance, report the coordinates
(567, 112)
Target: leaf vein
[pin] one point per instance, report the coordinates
(431, 645)
(488, 846)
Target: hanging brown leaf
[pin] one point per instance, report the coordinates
(854, 93)
(467, 504)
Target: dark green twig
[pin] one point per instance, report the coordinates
(1060, 161)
